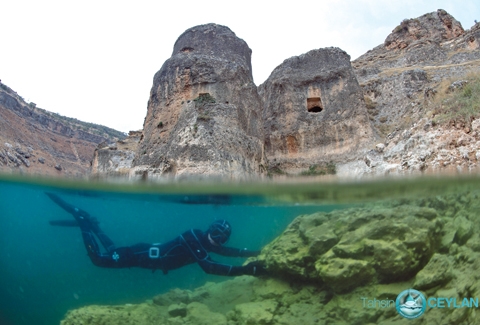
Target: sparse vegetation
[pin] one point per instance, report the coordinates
(403, 26)
(204, 117)
(385, 129)
(273, 171)
(314, 170)
(88, 127)
(461, 105)
(369, 102)
(319, 170)
(160, 124)
(204, 98)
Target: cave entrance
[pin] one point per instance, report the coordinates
(314, 105)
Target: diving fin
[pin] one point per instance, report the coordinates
(77, 213)
(64, 223)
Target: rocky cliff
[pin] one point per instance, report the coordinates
(384, 113)
(35, 141)
(314, 111)
(203, 114)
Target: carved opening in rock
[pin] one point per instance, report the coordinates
(186, 49)
(314, 105)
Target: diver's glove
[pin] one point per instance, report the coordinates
(255, 268)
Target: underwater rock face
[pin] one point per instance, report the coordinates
(328, 267)
(346, 249)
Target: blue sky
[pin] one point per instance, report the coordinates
(95, 60)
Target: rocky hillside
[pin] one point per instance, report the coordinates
(421, 91)
(394, 110)
(35, 141)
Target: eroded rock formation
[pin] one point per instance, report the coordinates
(314, 111)
(203, 114)
(435, 26)
(115, 159)
(205, 117)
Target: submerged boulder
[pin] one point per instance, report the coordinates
(438, 271)
(346, 249)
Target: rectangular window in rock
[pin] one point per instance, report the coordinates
(314, 105)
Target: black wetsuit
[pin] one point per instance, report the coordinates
(193, 246)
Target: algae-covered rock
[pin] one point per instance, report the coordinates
(348, 248)
(118, 315)
(438, 271)
(463, 228)
(474, 243)
(343, 274)
(175, 310)
(173, 296)
(256, 312)
(200, 314)
(300, 313)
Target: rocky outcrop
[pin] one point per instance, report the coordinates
(203, 114)
(116, 159)
(435, 26)
(401, 80)
(398, 76)
(419, 149)
(35, 141)
(314, 111)
(347, 249)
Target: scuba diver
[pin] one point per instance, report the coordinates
(193, 246)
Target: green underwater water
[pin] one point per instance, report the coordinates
(44, 270)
